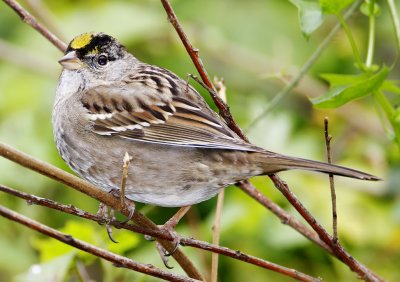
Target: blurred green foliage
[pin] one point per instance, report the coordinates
(256, 46)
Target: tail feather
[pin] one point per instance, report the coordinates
(272, 163)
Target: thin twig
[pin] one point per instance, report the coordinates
(337, 248)
(257, 261)
(44, 15)
(284, 216)
(174, 220)
(339, 252)
(304, 69)
(125, 167)
(328, 139)
(182, 259)
(216, 235)
(30, 20)
(193, 52)
(69, 209)
(82, 271)
(97, 193)
(117, 260)
(194, 55)
(221, 90)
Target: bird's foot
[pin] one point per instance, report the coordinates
(106, 218)
(169, 227)
(165, 254)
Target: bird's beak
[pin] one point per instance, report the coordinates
(70, 61)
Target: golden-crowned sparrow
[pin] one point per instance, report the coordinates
(109, 103)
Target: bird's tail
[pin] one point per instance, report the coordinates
(271, 163)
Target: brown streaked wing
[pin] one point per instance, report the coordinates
(177, 122)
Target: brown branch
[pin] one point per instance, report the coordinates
(44, 15)
(193, 52)
(97, 193)
(69, 209)
(194, 55)
(118, 260)
(126, 161)
(339, 251)
(221, 89)
(225, 113)
(284, 216)
(253, 260)
(328, 139)
(337, 248)
(30, 20)
(216, 235)
(182, 259)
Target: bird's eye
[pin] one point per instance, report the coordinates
(102, 60)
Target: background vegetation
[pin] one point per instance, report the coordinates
(257, 47)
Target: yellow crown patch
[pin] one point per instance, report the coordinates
(81, 40)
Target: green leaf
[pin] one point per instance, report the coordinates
(310, 16)
(126, 241)
(391, 86)
(335, 79)
(334, 6)
(50, 248)
(354, 88)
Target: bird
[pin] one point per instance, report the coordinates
(108, 103)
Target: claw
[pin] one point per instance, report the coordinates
(163, 255)
(169, 227)
(109, 232)
(105, 218)
(177, 242)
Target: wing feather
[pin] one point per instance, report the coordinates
(138, 111)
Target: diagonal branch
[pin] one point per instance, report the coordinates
(114, 258)
(100, 195)
(30, 20)
(244, 185)
(194, 55)
(338, 250)
(69, 209)
(93, 191)
(284, 216)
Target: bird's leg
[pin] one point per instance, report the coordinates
(102, 213)
(105, 218)
(130, 205)
(169, 226)
(174, 220)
